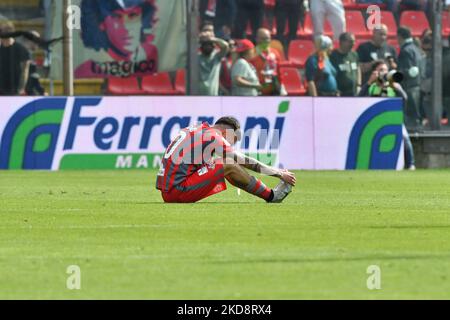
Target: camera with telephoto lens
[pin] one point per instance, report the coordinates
(391, 76)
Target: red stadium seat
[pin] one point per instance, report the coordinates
(158, 84)
(388, 19)
(299, 51)
(270, 4)
(446, 24)
(123, 86)
(356, 24)
(180, 82)
(308, 29)
(364, 6)
(415, 20)
(292, 81)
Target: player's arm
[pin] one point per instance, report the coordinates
(259, 167)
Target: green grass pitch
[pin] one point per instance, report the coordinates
(318, 244)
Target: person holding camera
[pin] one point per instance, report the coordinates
(385, 83)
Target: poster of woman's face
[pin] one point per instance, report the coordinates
(123, 30)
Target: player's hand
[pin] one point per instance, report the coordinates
(288, 177)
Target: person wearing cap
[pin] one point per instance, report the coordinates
(409, 63)
(245, 81)
(320, 72)
(210, 60)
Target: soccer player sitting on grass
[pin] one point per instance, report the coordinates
(201, 157)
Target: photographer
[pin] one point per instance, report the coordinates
(383, 83)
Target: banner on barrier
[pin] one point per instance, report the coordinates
(133, 132)
(122, 38)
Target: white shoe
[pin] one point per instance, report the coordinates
(281, 191)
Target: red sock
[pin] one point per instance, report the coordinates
(259, 189)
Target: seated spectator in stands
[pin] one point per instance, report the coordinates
(331, 10)
(210, 60)
(410, 63)
(33, 87)
(267, 65)
(244, 78)
(14, 63)
(375, 49)
(225, 70)
(378, 85)
(248, 11)
(320, 72)
(346, 63)
(289, 13)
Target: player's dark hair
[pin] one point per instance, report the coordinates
(230, 122)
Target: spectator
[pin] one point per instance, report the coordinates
(210, 62)
(409, 63)
(267, 65)
(427, 74)
(371, 51)
(225, 70)
(333, 11)
(320, 73)
(225, 13)
(290, 13)
(346, 63)
(33, 87)
(379, 86)
(14, 63)
(243, 74)
(207, 27)
(248, 11)
(446, 78)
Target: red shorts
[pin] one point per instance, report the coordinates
(205, 182)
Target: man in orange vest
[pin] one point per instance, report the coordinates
(267, 65)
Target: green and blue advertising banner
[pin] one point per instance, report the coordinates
(133, 132)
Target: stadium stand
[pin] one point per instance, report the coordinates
(180, 82)
(292, 81)
(123, 86)
(415, 20)
(356, 23)
(308, 29)
(446, 24)
(299, 51)
(158, 84)
(388, 19)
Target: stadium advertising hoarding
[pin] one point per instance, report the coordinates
(133, 132)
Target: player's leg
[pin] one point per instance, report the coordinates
(239, 177)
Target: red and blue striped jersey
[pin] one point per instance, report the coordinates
(193, 148)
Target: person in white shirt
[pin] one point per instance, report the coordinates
(244, 77)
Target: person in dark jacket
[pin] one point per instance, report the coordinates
(409, 63)
(248, 11)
